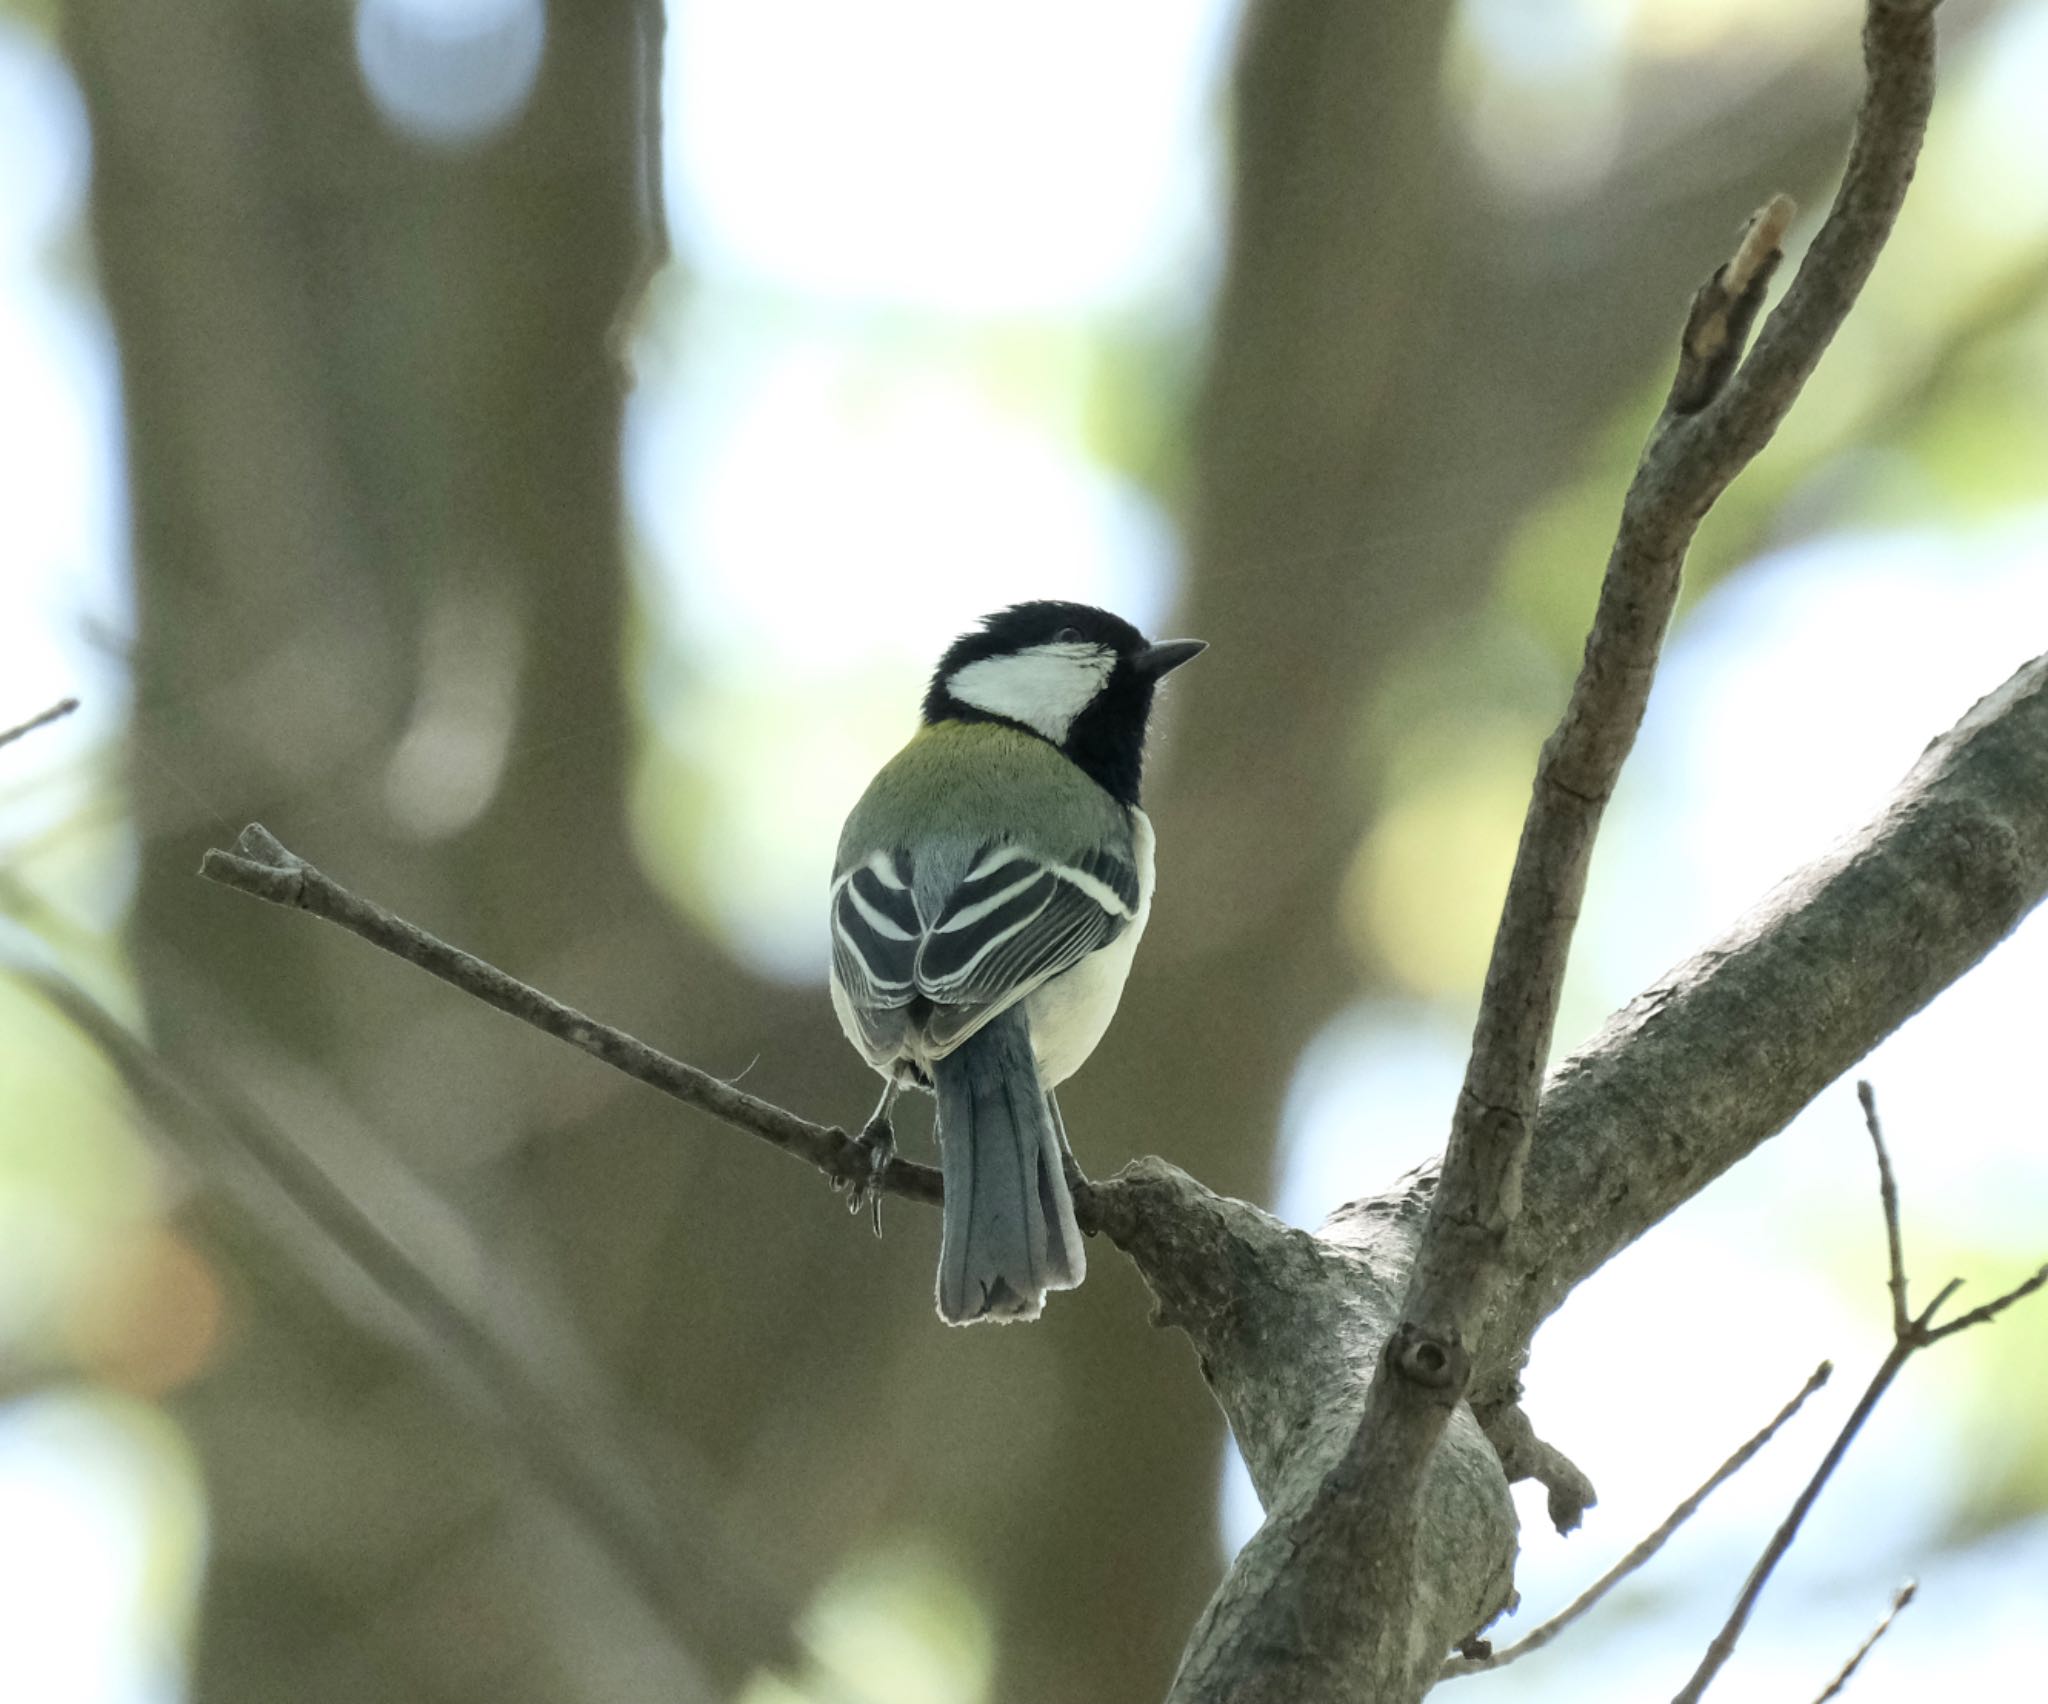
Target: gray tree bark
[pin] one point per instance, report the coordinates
(1681, 1085)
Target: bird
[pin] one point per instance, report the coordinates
(988, 893)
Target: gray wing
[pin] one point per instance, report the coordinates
(1012, 921)
(876, 932)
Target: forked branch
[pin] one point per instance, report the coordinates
(1910, 1334)
(1345, 1567)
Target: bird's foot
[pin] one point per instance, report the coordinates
(877, 1140)
(1077, 1180)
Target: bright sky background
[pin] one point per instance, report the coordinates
(900, 330)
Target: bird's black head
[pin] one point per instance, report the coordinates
(1069, 673)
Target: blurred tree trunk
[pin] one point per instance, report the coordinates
(373, 445)
(373, 441)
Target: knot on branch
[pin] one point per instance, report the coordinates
(1425, 1359)
(261, 865)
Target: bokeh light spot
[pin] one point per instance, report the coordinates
(450, 72)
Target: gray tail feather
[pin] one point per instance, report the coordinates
(1009, 1230)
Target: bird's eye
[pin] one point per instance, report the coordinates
(1067, 636)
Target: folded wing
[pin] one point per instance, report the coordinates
(1013, 921)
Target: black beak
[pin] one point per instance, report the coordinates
(1166, 656)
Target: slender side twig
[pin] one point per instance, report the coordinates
(1538, 1637)
(1900, 1598)
(56, 713)
(1723, 1645)
(1888, 1195)
(264, 868)
(1908, 1338)
(1977, 1316)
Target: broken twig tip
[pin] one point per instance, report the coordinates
(1900, 1598)
(1762, 237)
(1726, 306)
(258, 844)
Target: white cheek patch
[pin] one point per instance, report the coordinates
(1045, 687)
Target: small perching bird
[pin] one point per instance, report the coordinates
(989, 891)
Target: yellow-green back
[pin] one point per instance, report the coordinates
(957, 786)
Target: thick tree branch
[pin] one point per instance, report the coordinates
(1909, 1336)
(1718, 1056)
(1679, 1086)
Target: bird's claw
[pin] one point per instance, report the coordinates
(878, 1141)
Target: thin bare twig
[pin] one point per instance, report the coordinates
(1723, 1644)
(56, 713)
(262, 867)
(1909, 1336)
(1900, 1598)
(1990, 1310)
(1888, 1193)
(1538, 1637)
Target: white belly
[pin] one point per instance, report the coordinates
(1070, 1013)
